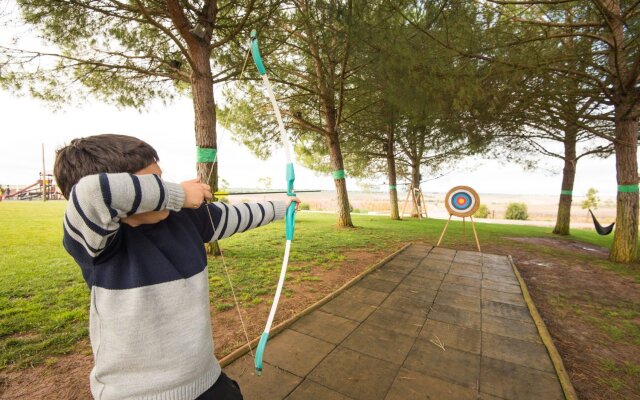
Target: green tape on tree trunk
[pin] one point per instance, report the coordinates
(567, 192)
(628, 188)
(392, 187)
(205, 154)
(339, 174)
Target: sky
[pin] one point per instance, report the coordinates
(27, 123)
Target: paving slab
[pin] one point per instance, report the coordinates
(398, 321)
(414, 385)
(512, 381)
(452, 336)
(381, 285)
(462, 280)
(411, 305)
(510, 328)
(274, 383)
(331, 328)
(460, 289)
(354, 374)
(451, 365)
(521, 352)
(365, 295)
(428, 273)
(296, 352)
(381, 343)
(391, 276)
(308, 390)
(506, 310)
(469, 303)
(430, 323)
(455, 316)
(510, 298)
(346, 306)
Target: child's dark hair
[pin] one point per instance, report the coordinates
(100, 153)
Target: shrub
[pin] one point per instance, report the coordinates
(483, 212)
(516, 211)
(304, 206)
(591, 200)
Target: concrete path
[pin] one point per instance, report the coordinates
(431, 323)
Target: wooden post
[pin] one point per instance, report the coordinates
(415, 202)
(473, 225)
(404, 207)
(424, 204)
(44, 177)
(444, 230)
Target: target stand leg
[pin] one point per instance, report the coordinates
(444, 230)
(473, 225)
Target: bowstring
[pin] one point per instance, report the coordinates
(224, 264)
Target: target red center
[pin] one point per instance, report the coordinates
(461, 200)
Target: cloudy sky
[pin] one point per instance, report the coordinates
(27, 124)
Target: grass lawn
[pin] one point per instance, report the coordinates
(44, 300)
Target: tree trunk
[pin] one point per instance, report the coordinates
(337, 164)
(563, 219)
(391, 171)
(415, 183)
(625, 237)
(205, 112)
(205, 120)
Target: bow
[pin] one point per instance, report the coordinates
(290, 216)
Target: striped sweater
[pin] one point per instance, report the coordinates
(150, 324)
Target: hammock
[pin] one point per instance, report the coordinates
(602, 230)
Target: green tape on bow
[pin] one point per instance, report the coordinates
(392, 187)
(205, 154)
(339, 174)
(628, 188)
(567, 192)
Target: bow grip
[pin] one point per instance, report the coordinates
(290, 220)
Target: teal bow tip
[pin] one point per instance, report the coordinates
(255, 52)
(260, 352)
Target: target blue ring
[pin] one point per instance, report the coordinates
(464, 205)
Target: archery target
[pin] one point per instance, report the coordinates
(462, 201)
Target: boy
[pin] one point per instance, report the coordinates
(139, 242)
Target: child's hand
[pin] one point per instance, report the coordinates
(195, 193)
(291, 200)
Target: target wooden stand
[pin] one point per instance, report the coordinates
(418, 201)
(463, 202)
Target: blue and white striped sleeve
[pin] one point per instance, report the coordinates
(97, 203)
(223, 220)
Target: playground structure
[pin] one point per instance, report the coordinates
(417, 199)
(39, 190)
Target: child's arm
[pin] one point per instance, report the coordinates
(97, 203)
(230, 219)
